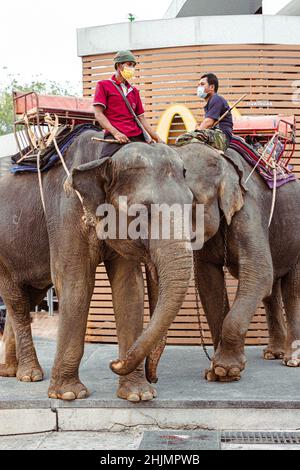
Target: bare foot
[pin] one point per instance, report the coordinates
(30, 373)
(271, 352)
(134, 387)
(226, 367)
(68, 390)
(8, 370)
(291, 357)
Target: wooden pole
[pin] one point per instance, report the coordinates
(109, 141)
(229, 110)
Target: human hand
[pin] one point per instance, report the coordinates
(122, 138)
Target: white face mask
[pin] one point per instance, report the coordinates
(201, 93)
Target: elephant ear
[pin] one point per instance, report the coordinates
(91, 180)
(230, 194)
(235, 160)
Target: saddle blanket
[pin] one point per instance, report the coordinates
(49, 156)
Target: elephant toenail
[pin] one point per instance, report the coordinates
(69, 396)
(37, 378)
(220, 371)
(26, 378)
(82, 394)
(293, 363)
(146, 396)
(117, 365)
(134, 397)
(234, 371)
(269, 356)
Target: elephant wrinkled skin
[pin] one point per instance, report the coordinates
(264, 260)
(62, 247)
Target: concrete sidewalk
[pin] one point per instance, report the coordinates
(267, 397)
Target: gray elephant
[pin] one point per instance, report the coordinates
(264, 260)
(61, 246)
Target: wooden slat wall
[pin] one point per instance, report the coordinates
(101, 326)
(269, 73)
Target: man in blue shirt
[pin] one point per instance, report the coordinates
(218, 137)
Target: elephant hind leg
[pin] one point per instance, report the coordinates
(20, 355)
(8, 351)
(213, 295)
(291, 300)
(276, 323)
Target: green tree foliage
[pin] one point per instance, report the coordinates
(6, 103)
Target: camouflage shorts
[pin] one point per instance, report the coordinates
(213, 137)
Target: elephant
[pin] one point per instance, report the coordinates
(61, 246)
(264, 259)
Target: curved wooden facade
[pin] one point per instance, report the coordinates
(269, 74)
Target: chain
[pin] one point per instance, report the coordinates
(224, 292)
(224, 268)
(198, 310)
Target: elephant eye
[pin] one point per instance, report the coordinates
(184, 172)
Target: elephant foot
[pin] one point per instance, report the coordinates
(211, 376)
(271, 353)
(30, 373)
(226, 367)
(8, 370)
(68, 390)
(134, 387)
(291, 360)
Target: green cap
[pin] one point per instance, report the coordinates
(124, 56)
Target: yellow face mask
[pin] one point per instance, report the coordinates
(127, 73)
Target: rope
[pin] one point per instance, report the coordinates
(224, 270)
(65, 167)
(261, 157)
(53, 126)
(38, 158)
(274, 196)
(274, 166)
(198, 312)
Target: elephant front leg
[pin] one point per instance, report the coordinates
(213, 295)
(276, 324)
(74, 286)
(255, 283)
(210, 283)
(127, 284)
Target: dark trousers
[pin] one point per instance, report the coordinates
(108, 150)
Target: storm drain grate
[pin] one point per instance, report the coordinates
(260, 437)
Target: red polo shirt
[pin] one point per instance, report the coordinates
(116, 110)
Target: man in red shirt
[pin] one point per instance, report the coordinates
(112, 112)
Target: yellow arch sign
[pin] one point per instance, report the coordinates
(166, 119)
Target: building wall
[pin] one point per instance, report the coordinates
(269, 74)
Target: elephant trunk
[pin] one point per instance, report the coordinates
(173, 262)
(153, 358)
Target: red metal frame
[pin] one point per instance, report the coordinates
(284, 127)
(31, 108)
